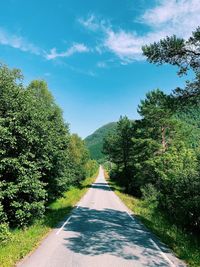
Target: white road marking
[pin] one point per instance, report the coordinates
(61, 228)
(130, 215)
(155, 245)
(162, 253)
(151, 240)
(78, 206)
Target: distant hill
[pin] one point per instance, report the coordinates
(94, 142)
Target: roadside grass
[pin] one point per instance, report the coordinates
(184, 245)
(24, 241)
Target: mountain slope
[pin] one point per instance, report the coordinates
(94, 142)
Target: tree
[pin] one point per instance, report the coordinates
(38, 156)
(79, 157)
(50, 139)
(23, 193)
(157, 110)
(176, 51)
(177, 168)
(118, 147)
(185, 54)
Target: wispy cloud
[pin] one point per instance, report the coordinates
(18, 42)
(101, 64)
(180, 17)
(22, 44)
(89, 23)
(168, 17)
(127, 46)
(75, 48)
(94, 23)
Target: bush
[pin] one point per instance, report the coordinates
(39, 159)
(150, 196)
(91, 168)
(5, 234)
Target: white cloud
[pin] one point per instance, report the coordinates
(94, 23)
(126, 46)
(22, 44)
(168, 17)
(89, 23)
(176, 17)
(18, 42)
(75, 48)
(173, 12)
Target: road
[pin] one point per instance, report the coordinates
(101, 232)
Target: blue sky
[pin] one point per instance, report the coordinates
(89, 51)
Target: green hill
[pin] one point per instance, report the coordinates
(94, 142)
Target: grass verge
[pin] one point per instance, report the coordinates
(24, 241)
(184, 245)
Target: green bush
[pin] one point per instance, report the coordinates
(151, 196)
(39, 158)
(5, 234)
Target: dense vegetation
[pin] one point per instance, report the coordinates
(39, 158)
(24, 240)
(94, 142)
(158, 156)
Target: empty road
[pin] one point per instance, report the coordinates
(101, 232)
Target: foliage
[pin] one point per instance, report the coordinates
(118, 147)
(163, 146)
(176, 51)
(23, 241)
(22, 188)
(39, 159)
(94, 142)
(5, 234)
(79, 158)
(184, 244)
(185, 54)
(91, 167)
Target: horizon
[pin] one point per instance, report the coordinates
(90, 54)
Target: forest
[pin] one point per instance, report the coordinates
(94, 142)
(157, 157)
(39, 158)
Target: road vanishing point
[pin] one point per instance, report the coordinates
(101, 232)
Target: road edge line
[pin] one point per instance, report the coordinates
(162, 253)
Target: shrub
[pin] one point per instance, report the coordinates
(5, 234)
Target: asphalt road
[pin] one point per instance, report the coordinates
(101, 232)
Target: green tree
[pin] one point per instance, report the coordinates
(22, 189)
(50, 139)
(157, 111)
(39, 159)
(79, 156)
(118, 147)
(185, 54)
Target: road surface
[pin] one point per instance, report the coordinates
(101, 232)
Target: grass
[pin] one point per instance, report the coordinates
(24, 241)
(184, 245)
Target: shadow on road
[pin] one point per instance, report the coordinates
(101, 186)
(97, 232)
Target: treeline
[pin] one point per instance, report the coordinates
(39, 158)
(158, 156)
